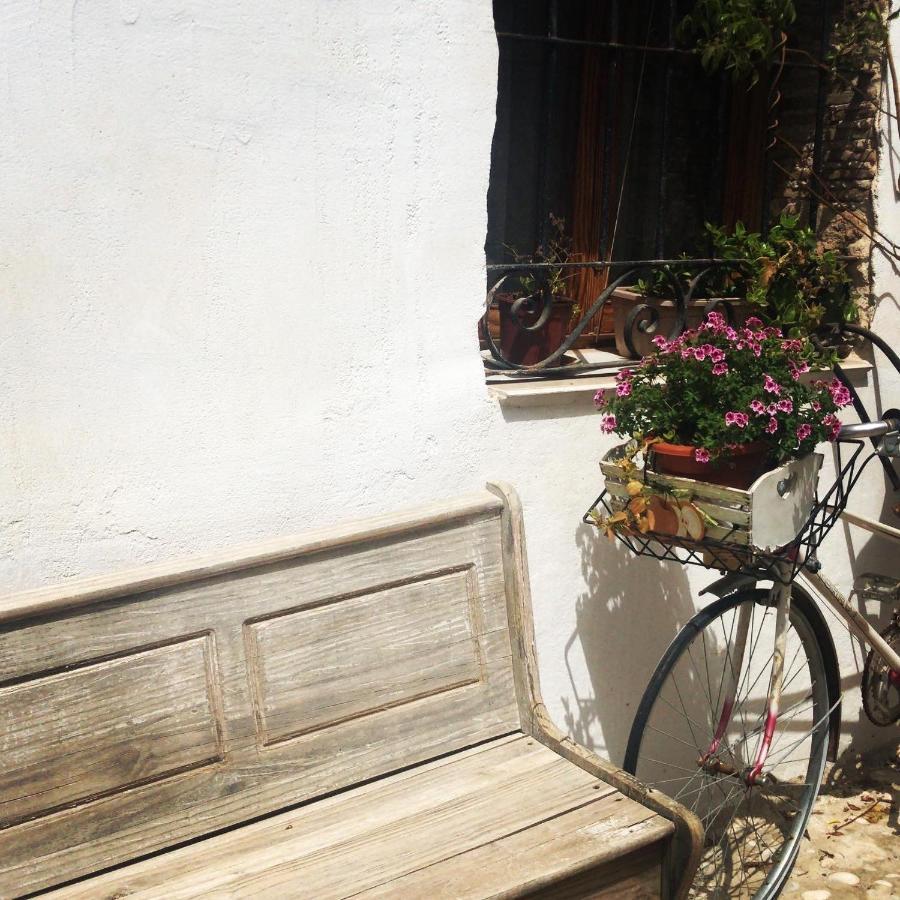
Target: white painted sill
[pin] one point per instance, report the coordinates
(569, 391)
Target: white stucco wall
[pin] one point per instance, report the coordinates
(240, 270)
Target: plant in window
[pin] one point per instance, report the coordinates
(535, 319)
(785, 276)
(658, 293)
(724, 404)
(738, 36)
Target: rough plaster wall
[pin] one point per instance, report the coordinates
(241, 262)
(241, 255)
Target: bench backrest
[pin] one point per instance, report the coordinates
(142, 711)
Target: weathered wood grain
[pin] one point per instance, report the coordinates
(683, 856)
(73, 736)
(455, 564)
(326, 663)
(356, 656)
(453, 821)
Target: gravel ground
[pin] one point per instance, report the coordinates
(853, 846)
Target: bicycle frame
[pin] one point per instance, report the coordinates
(781, 598)
(856, 622)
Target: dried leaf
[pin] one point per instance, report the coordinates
(768, 268)
(638, 505)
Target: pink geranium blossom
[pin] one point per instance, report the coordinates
(608, 423)
(599, 399)
(701, 455)
(771, 385)
(840, 393)
(623, 389)
(785, 405)
(757, 406)
(804, 431)
(720, 368)
(772, 427)
(741, 420)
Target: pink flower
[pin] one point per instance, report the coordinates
(817, 407)
(771, 409)
(699, 354)
(660, 341)
(608, 423)
(737, 418)
(701, 455)
(772, 427)
(804, 431)
(753, 322)
(839, 393)
(599, 399)
(792, 346)
(720, 368)
(785, 405)
(797, 369)
(623, 389)
(831, 421)
(756, 405)
(623, 374)
(716, 355)
(716, 320)
(771, 385)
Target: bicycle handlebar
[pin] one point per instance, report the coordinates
(863, 430)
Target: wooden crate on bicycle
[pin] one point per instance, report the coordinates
(730, 526)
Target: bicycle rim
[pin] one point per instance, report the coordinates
(752, 833)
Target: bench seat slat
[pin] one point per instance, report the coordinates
(511, 806)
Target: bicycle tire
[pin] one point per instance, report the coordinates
(734, 866)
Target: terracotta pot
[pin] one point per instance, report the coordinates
(625, 300)
(738, 469)
(529, 347)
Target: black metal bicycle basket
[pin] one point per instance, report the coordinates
(728, 548)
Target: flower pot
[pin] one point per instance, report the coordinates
(739, 469)
(529, 347)
(625, 301)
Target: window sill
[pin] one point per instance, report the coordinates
(570, 391)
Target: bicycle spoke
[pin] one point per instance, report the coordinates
(752, 832)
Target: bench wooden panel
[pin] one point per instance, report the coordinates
(84, 733)
(408, 632)
(352, 657)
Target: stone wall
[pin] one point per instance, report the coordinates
(838, 186)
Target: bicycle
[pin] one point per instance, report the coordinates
(743, 709)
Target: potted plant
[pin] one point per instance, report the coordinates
(786, 278)
(535, 319)
(657, 294)
(717, 414)
(722, 404)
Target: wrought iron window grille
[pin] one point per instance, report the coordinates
(530, 311)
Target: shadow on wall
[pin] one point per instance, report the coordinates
(631, 610)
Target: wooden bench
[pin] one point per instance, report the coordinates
(355, 713)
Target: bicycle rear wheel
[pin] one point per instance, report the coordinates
(753, 832)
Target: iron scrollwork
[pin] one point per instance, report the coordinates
(530, 310)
